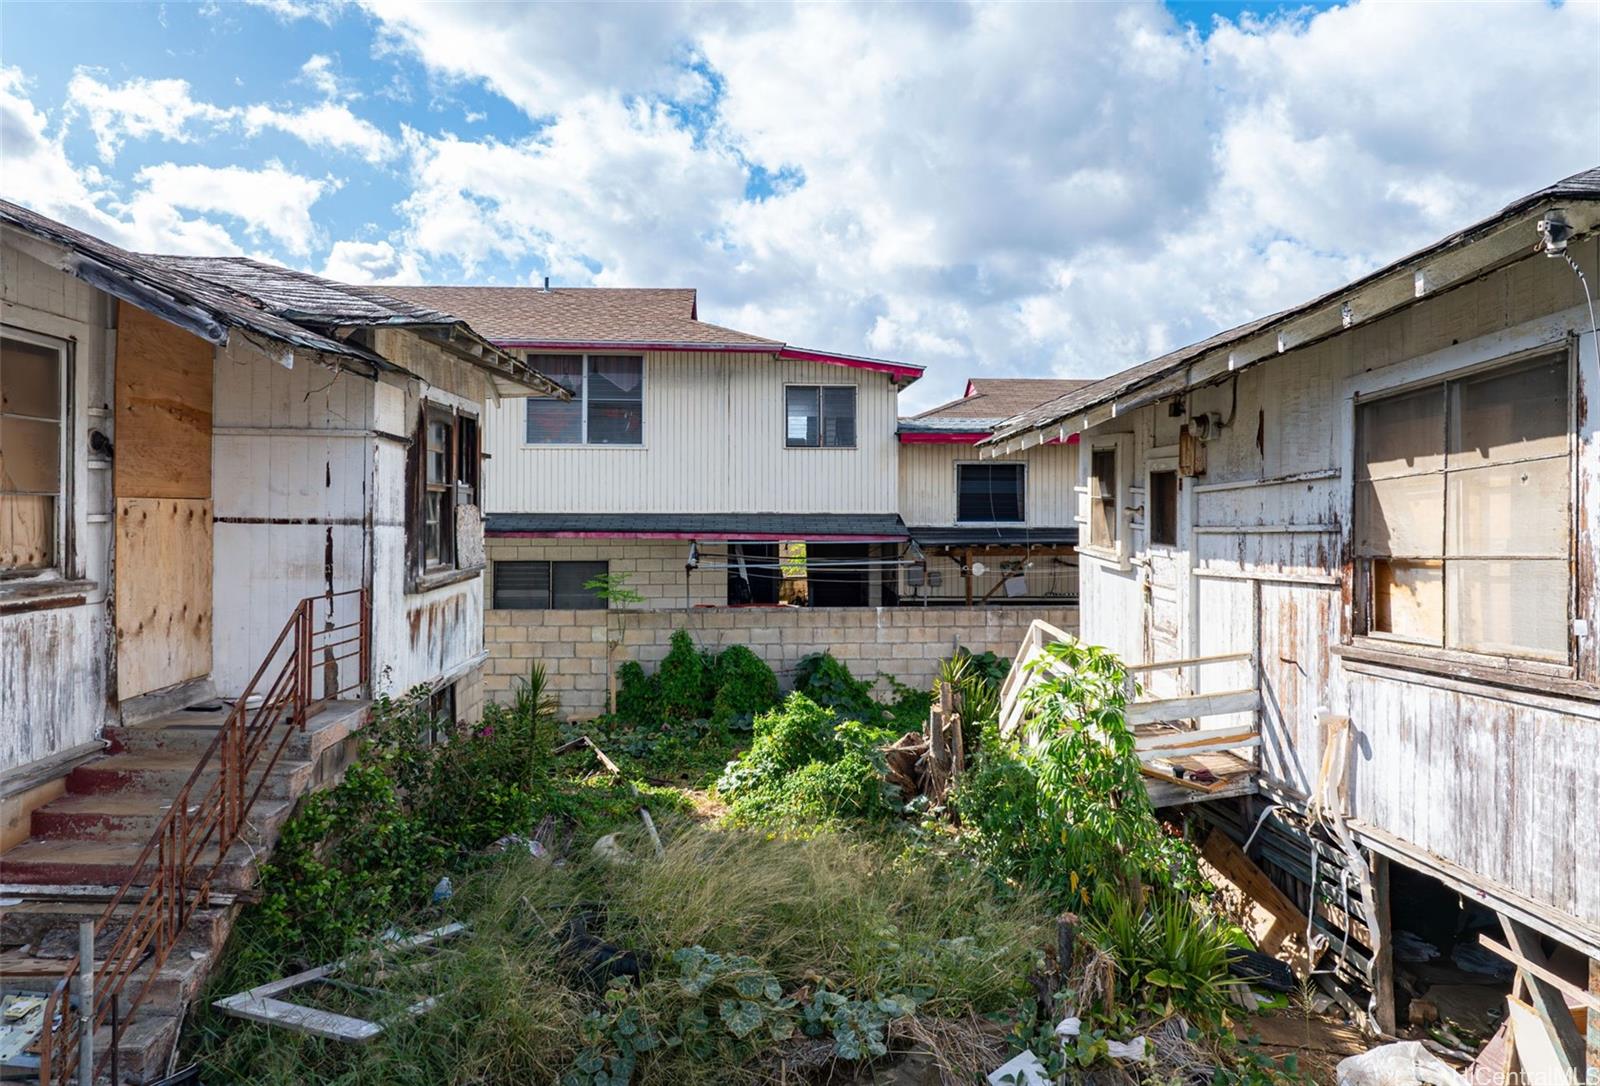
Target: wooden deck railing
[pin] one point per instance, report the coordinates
(324, 653)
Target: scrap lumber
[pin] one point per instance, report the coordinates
(1274, 918)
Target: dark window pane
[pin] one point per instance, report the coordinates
(616, 424)
(616, 377)
(30, 379)
(433, 527)
(440, 435)
(1162, 502)
(989, 493)
(555, 422)
(567, 581)
(522, 586)
(565, 370)
(839, 417)
(802, 407)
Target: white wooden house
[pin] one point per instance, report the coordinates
(991, 530)
(1382, 508)
(231, 496)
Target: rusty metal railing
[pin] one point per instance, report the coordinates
(324, 653)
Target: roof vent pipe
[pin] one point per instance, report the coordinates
(547, 284)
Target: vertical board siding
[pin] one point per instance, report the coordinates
(927, 487)
(713, 443)
(55, 664)
(291, 454)
(1502, 784)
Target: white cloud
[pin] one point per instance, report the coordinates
(272, 203)
(371, 262)
(139, 109)
(319, 73)
(329, 125)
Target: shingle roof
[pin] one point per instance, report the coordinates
(886, 526)
(634, 317)
(989, 401)
(322, 303)
(1580, 186)
(204, 308)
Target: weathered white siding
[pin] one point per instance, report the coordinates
(1501, 782)
(291, 477)
(928, 483)
(713, 443)
(54, 664)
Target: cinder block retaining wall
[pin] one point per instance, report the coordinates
(906, 642)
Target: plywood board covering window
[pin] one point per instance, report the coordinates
(1103, 498)
(32, 451)
(1463, 520)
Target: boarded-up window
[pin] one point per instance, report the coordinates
(990, 493)
(820, 416)
(1162, 504)
(32, 407)
(1103, 498)
(543, 586)
(1463, 522)
(607, 405)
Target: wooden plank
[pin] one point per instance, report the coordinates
(1198, 705)
(1200, 737)
(1379, 933)
(163, 593)
(1193, 661)
(1275, 918)
(1201, 748)
(1570, 991)
(163, 409)
(1566, 1044)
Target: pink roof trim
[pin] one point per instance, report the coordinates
(743, 537)
(965, 437)
(900, 371)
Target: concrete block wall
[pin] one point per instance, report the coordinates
(905, 642)
(654, 566)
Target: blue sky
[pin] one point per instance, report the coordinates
(982, 189)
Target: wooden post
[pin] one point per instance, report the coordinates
(966, 571)
(1594, 1023)
(1382, 948)
(1546, 998)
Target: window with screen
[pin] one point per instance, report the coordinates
(820, 416)
(990, 493)
(607, 405)
(1162, 503)
(546, 586)
(1463, 522)
(32, 414)
(1103, 498)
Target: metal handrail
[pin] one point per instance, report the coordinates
(180, 880)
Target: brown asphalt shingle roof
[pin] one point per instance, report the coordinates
(581, 315)
(1002, 397)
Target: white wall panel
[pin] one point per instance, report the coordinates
(928, 483)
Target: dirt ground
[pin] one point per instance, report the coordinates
(1320, 1041)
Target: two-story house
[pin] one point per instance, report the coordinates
(1380, 511)
(746, 489)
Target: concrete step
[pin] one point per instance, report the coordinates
(194, 731)
(111, 863)
(50, 928)
(133, 816)
(165, 772)
(144, 1045)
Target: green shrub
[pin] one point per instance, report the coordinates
(829, 683)
(908, 712)
(786, 738)
(638, 695)
(745, 686)
(685, 681)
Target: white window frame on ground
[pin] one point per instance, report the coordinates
(823, 415)
(1443, 374)
(549, 604)
(59, 558)
(1022, 491)
(581, 401)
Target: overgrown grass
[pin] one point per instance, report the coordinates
(830, 914)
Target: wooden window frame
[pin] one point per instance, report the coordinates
(1117, 552)
(63, 558)
(1022, 490)
(1439, 371)
(581, 398)
(822, 417)
(461, 484)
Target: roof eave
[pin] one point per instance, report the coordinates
(1457, 260)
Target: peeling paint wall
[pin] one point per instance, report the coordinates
(55, 664)
(1505, 783)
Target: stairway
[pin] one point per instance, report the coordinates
(84, 845)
